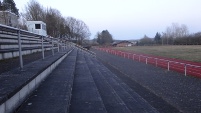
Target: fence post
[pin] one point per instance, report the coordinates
(42, 48)
(185, 69)
(156, 62)
(139, 58)
(168, 65)
(20, 50)
(133, 56)
(124, 54)
(146, 60)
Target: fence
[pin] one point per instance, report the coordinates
(186, 68)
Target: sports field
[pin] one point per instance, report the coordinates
(190, 53)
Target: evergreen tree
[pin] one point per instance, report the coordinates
(157, 37)
(104, 38)
(10, 5)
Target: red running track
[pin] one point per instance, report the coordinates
(182, 66)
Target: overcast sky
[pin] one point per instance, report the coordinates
(128, 19)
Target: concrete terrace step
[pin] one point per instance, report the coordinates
(85, 95)
(113, 103)
(16, 85)
(129, 98)
(53, 96)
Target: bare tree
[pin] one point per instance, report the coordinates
(34, 11)
(146, 41)
(78, 29)
(184, 30)
(57, 25)
(173, 32)
(176, 31)
(54, 21)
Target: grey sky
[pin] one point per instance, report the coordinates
(128, 19)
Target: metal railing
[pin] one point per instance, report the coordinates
(15, 42)
(186, 68)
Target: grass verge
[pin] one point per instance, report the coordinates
(183, 52)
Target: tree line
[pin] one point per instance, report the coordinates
(173, 35)
(57, 25)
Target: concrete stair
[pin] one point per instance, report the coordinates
(81, 84)
(85, 95)
(54, 94)
(124, 99)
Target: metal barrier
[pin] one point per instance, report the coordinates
(186, 68)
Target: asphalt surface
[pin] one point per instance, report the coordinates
(167, 91)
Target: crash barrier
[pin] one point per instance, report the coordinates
(182, 67)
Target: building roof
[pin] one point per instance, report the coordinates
(124, 41)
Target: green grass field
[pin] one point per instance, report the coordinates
(190, 53)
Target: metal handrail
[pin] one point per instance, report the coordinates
(12, 34)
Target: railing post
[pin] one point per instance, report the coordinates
(139, 58)
(156, 62)
(58, 45)
(20, 50)
(52, 48)
(42, 48)
(168, 65)
(62, 46)
(185, 69)
(146, 60)
(133, 56)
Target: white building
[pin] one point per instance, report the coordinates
(8, 18)
(37, 27)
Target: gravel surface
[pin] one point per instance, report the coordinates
(171, 91)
